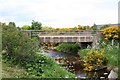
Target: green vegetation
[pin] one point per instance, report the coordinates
(28, 61)
(68, 48)
(94, 60)
(39, 66)
(110, 52)
(12, 71)
(35, 25)
(111, 32)
(26, 27)
(23, 52)
(16, 43)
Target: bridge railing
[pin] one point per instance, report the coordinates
(56, 32)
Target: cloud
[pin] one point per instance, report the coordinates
(59, 13)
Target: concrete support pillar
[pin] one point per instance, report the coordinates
(94, 44)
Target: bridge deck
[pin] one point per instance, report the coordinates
(63, 38)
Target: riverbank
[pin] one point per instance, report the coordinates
(75, 65)
(41, 66)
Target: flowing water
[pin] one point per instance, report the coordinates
(74, 64)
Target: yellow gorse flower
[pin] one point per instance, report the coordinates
(93, 60)
(111, 32)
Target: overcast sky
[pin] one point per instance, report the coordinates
(59, 13)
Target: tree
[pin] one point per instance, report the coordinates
(11, 24)
(36, 25)
(94, 27)
(16, 43)
(26, 27)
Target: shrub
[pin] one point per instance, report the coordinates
(83, 52)
(94, 60)
(111, 32)
(38, 66)
(68, 48)
(16, 43)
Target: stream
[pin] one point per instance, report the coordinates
(73, 64)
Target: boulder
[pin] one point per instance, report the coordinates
(113, 74)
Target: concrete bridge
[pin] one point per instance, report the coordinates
(84, 38)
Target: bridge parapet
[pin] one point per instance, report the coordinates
(63, 38)
(55, 32)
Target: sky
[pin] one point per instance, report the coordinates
(59, 13)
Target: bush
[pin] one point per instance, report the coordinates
(94, 60)
(110, 52)
(38, 66)
(16, 43)
(111, 32)
(83, 52)
(68, 48)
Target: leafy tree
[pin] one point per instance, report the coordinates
(26, 27)
(16, 43)
(94, 27)
(11, 24)
(36, 25)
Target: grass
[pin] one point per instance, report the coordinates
(9, 71)
(112, 55)
(111, 52)
(49, 67)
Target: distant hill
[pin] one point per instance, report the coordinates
(101, 25)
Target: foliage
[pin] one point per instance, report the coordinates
(10, 71)
(83, 52)
(36, 25)
(105, 26)
(111, 32)
(110, 52)
(11, 24)
(68, 48)
(38, 66)
(47, 28)
(64, 29)
(79, 27)
(94, 27)
(94, 60)
(16, 43)
(26, 27)
(23, 51)
(48, 44)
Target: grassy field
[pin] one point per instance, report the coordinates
(9, 71)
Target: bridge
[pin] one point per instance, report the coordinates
(83, 37)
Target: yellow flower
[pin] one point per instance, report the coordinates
(106, 38)
(115, 36)
(90, 68)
